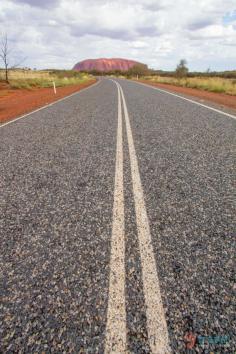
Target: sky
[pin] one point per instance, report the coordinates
(60, 33)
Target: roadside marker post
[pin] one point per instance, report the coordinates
(54, 87)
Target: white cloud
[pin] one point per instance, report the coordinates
(59, 33)
(214, 32)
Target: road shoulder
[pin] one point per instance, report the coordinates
(25, 101)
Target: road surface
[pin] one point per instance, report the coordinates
(117, 225)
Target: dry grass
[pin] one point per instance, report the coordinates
(219, 85)
(25, 74)
(28, 79)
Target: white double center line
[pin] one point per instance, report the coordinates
(156, 323)
(116, 317)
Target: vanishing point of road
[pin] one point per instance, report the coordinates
(117, 230)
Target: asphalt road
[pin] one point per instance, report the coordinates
(117, 227)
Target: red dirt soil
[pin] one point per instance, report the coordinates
(15, 103)
(219, 98)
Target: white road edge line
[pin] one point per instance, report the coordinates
(48, 105)
(186, 99)
(156, 322)
(115, 341)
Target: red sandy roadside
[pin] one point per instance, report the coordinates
(18, 102)
(219, 98)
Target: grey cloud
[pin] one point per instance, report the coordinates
(200, 37)
(80, 31)
(121, 34)
(153, 7)
(149, 31)
(39, 3)
(194, 26)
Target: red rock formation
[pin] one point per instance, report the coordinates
(105, 64)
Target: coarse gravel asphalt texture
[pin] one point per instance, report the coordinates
(57, 171)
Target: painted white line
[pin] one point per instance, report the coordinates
(116, 315)
(185, 99)
(156, 322)
(48, 105)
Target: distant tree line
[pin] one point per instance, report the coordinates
(64, 73)
(181, 71)
(222, 74)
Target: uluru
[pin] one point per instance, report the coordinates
(105, 65)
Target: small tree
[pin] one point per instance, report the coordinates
(138, 70)
(181, 69)
(5, 53)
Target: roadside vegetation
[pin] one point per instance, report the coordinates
(30, 79)
(182, 77)
(215, 84)
(219, 82)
